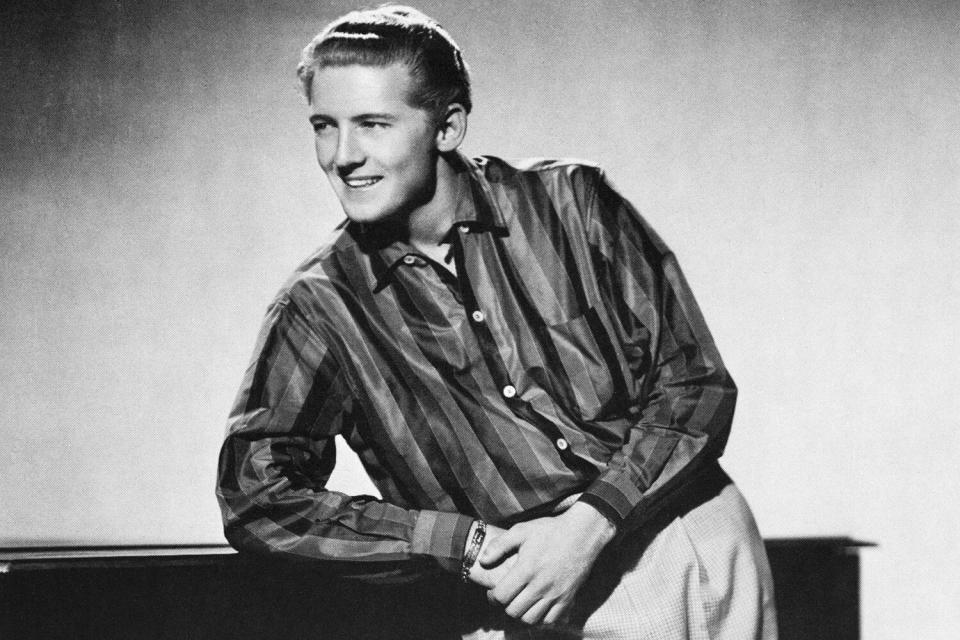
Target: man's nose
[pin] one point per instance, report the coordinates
(349, 152)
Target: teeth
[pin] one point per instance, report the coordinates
(361, 182)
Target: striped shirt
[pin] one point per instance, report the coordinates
(567, 357)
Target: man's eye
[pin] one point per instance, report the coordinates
(373, 124)
(320, 127)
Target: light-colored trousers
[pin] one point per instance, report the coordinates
(702, 576)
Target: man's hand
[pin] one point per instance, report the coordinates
(488, 576)
(539, 565)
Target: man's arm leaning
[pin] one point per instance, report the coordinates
(279, 453)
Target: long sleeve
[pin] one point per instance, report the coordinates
(279, 453)
(684, 397)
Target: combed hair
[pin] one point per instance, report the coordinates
(389, 35)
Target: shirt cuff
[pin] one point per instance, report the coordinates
(614, 494)
(442, 536)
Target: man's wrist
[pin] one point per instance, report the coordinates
(593, 522)
(478, 532)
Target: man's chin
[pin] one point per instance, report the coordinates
(368, 215)
(360, 212)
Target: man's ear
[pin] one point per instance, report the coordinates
(452, 129)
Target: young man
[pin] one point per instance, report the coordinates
(516, 358)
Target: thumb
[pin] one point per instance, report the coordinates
(498, 547)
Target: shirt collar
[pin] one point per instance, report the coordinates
(476, 206)
(476, 210)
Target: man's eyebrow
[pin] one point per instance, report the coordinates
(319, 117)
(374, 116)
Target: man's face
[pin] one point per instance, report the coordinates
(378, 152)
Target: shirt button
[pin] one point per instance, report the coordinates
(409, 259)
(562, 444)
(477, 316)
(509, 391)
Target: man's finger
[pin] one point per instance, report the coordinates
(522, 602)
(507, 589)
(535, 614)
(497, 549)
(555, 614)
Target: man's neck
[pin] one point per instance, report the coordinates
(429, 226)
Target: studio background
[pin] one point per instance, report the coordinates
(802, 158)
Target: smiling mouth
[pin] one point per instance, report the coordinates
(361, 183)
